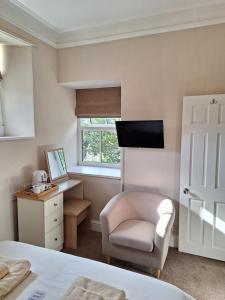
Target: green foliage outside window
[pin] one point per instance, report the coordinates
(91, 146)
(110, 148)
(99, 146)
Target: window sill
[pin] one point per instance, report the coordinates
(15, 138)
(95, 171)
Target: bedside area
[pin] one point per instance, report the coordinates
(40, 221)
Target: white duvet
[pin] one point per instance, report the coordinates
(53, 272)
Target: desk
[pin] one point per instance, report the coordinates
(65, 186)
(40, 221)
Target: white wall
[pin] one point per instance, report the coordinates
(16, 91)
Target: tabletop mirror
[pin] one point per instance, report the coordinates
(56, 165)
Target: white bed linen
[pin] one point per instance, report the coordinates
(53, 272)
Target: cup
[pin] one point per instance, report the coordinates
(36, 189)
(42, 187)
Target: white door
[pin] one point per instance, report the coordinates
(202, 185)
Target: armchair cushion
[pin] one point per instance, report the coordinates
(134, 234)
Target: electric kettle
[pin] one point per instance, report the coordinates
(39, 176)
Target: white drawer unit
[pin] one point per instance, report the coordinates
(53, 204)
(40, 222)
(54, 238)
(54, 219)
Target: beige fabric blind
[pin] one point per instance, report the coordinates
(102, 102)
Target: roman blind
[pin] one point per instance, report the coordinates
(102, 102)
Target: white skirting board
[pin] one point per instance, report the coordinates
(96, 226)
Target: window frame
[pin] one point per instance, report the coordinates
(95, 127)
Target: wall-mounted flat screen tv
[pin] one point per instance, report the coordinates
(143, 134)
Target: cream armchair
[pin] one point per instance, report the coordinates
(136, 227)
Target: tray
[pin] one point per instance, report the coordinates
(30, 195)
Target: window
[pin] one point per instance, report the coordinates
(98, 145)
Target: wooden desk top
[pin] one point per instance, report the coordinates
(62, 187)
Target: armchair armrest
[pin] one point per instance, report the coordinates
(166, 213)
(163, 228)
(162, 236)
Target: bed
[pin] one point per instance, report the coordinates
(53, 272)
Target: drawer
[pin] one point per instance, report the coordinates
(54, 238)
(54, 219)
(53, 204)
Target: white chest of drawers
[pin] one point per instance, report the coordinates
(41, 222)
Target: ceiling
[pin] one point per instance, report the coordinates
(66, 23)
(68, 15)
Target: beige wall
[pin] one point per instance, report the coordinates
(99, 191)
(155, 73)
(55, 124)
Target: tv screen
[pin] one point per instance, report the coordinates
(144, 134)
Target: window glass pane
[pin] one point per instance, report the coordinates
(85, 121)
(99, 143)
(112, 120)
(91, 146)
(96, 121)
(110, 148)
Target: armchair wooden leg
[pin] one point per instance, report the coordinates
(157, 273)
(108, 259)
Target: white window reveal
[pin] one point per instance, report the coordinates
(2, 130)
(16, 89)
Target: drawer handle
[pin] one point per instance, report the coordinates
(55, 204)
(55, 220)
(56, 239)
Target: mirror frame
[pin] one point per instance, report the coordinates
(60, 178)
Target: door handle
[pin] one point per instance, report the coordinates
(186, 191)
(213, 101)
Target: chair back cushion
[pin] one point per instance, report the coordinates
(146, 206)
